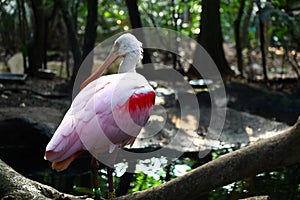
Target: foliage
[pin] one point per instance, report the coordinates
(228, 12)
(284, 29)
(8, 13)
(180, 15)
(143, 182)
(112, 16)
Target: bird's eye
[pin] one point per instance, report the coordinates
(117, 46)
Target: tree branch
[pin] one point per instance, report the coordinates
(15, 186)
(257, 198)
(266, 155)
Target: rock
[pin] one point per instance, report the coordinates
(240, 128)
(22, 144)
(244, 128)
(15, 64)
(24, 134)
(49, 116)
(271, 105)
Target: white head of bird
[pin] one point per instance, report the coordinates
(126, 46)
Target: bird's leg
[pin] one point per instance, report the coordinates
(111, 191)
(111, 160)
(95, 167)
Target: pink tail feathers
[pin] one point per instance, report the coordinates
(64, 147)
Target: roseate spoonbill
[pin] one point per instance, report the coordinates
(108, 113)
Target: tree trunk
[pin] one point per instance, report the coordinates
(72, 35)
(91, 28)
(210, 36)
(90, 36)
(245, 26)
(238, 45)
(262, 42)
(135, 21)
(23, 31)
(36, 47)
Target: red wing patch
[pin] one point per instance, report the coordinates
(140, 106)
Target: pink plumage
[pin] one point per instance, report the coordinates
(109, 112)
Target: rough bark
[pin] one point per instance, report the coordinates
(266, 155)
(15, 186)
(265, 197)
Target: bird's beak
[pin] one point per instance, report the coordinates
(112, 56)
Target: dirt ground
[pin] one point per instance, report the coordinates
(34, 92)
(37, 92)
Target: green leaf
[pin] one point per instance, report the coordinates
(83, 190)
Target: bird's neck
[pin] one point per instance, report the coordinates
(129, 62)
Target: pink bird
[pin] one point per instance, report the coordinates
(109, 111)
